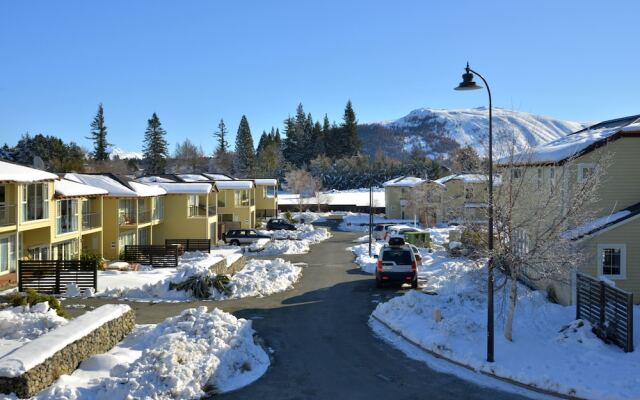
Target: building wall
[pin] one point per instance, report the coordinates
(263, 202)
(177, 224)
(242, 215)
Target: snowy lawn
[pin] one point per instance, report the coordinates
(257, 278)
(359, 222)
(19, 325)
(550, 350)
(185, 357)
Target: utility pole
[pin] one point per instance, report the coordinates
(370, 214)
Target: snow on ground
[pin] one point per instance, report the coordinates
(292, 242)
(279, 247)
(351, 197)
(186, 357)
(549, 349)
(359, 222)
(19, 325)
(257, 278)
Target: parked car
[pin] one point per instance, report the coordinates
(239, 237)
(380, 230)
(397, 263)
(416, 252)
(400, 230)
(278, 223)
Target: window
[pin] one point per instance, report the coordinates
(39, 253)
(35, 201)
(585, 171)
(241, 197)
(270, 191)
(193, 205)
(468, 193)
(158, 209)
(612, 260)
(516, 173)
(143, 236)
(539, 178)
(552, 177)
(127, 211)
(67, 250)
(7, 253)
(126, 239)
(66, 216)
(221, 199)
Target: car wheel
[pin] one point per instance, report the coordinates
(234, 243)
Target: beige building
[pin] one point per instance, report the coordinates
(465, 198)
(266, 198)
(408, 197)
(609, 239)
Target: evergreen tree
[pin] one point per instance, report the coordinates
(318, 140)
(220, 135)
(292, 142)
(99, 136)
(155, 146)
(265, 140)
(350, 142)
(308, 150)
(277, 136)
(244, 160)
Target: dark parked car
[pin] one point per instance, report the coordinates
(239, 237)
(275, 224)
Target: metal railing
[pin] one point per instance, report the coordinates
(90, 221)
(144, 216)
(67, 225)
(127, 217)
(213, 210)
(197, 211)
(7, 215)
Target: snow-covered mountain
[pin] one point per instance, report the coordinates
(124, 154)
(439, 131)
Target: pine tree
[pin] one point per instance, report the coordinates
(292, 142)
(351, 143)
(244, 160)
(99, 136)
(318, 140)
(264, 142)
(155, 146)
(308, 150)
(220, 134)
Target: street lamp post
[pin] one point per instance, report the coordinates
(468, 84)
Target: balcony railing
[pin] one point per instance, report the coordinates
(197, 211)
(90, 221)
(127, 217)
(213, 210)
(7, 215)
(67, 225)
(144, 216)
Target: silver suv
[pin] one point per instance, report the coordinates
(397, 263)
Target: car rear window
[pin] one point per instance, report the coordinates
(378, 228)
(399, 256)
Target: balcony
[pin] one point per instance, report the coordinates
(144, 216)
(127, 217)
(7, 215)
(67, 224)
(197, 211)
(90, 221)
(213, 210)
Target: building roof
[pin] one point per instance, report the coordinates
(67, 188)
(217, 176)
(11, 172)
(469, 178)
(193, 178)
(116, 186)
(184, 188)
(404, 181)
(266, 182)
(234, 184)
(576, 144)
(599, 224)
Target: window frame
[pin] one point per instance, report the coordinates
(583, 166)
(623, 260)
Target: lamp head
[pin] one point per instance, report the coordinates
(467, 81)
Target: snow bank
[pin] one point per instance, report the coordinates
(548, 351)
(359, 222)
(279, 247)
(292, 242)
(19, 325)
(361, 251)
(257, 278)
(178, 358)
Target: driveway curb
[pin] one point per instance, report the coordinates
(489, 374)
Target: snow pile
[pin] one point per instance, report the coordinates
(310, 216)
(257, 278)
(549, 350)
(359, 222)
(19, 325)
(292, 242)
(278, 247)
(194, 354)
(595, 225)
(361, 251)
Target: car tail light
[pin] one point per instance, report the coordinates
(414, 266)
(379, 265)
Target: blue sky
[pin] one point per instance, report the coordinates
(194, 62)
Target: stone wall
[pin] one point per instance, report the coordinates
(222, 267)
(67, 360)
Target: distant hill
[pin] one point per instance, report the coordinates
(439, 131)
(124, 154)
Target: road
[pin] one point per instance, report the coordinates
(323, 347)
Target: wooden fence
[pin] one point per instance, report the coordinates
(158, 256)
(52, 276)
(190, 244)
(607, 308)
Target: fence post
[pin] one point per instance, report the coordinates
(20, 287)
(578, 302)
(602, 303)
(629, 344)
(95, 275)
(56, 290)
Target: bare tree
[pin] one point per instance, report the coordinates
(300, 181)
(188, 157)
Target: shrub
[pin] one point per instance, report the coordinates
(31, 297)
(289, 216)
(99, 260)
(201, 285)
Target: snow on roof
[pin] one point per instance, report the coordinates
(69, 188)
(218, 177)
(266, 182)
(193, 177)
(598, 224)
(154, 179)
(228, 184)
(114, 187)
(475, 205)
(404, 181)
(560, 149)
(10, 172)
(39, 349)
(184, 188)
(469, 178)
